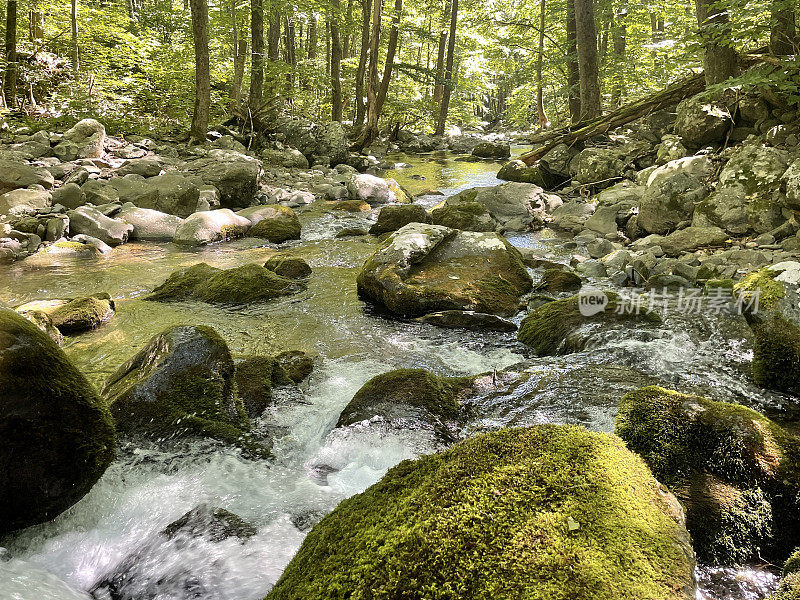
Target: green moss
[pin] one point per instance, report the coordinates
(792, 564)
(467, 216)
(240, 285)
(776, 355)
(789, 588)
(74, 246)
(82, 314)
(352, 206)
(58, 435)
(536, 514)
(288, 266)
(686, 439)
(255, 377)
(297, 364)
(282, 227)
(182, 284)
(771, 291)
(418, 388)
(714, 286)
(548, 328)
(558, 280)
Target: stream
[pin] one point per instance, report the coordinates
(316, 465)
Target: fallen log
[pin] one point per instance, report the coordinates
(579, 132)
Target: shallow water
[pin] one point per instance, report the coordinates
(316, 465)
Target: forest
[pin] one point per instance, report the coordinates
(415, 299)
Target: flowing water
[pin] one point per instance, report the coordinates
(317, 465)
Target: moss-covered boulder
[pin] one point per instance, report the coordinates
(428, 268)
(735, 470)
(255, 378)
(393, 217)
(180, 384)
(789, 588)
(57, 434)
(43, 321)
(564, 326)
(557, 280)
(539, 513)
(776, 355)
(83, 314)
(297, 364)
(468, 216)
(411, 396)
(240, 285)
(291, 267)
(280, 226)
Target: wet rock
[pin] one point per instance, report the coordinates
(668, 201)
(557, 280)
(179, 384)
(50, 415)
(462, 214)
(84, 140)
(603, 220)
(237, 286)
(255, 378)
(92, 222)
(428, 268)
(276, 224)
(297, 364)
(210, 226)
(83, 314)
(145, 575)
(392, 218)
(572, 216)
(701, 121)
(21, 201)
(409, 396)
(495, 150)
(561, 327)
(292, 267)
(733, 469)
(416, 527)
(467, 319)
(683, 240)
(43, 321)
(149, 225)
(14, 176)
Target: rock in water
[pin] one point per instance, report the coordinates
(241, 285)
(500, 516)
(90, 221)
(413, 397)
(179, 384)
(146, 575)
(83, 314)
(292, 267)
(428, 268)
(392, 218)
(276, 224)
(210, 226)
(58, 436)
(735, 471)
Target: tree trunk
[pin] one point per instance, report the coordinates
(10, 84)
(202, 74)
(539, 65)
(274, 42)
(448, 75)
(586, 34)
(782, 35)
(257, 59)
(347, 40)
(391, 50)
(238, 71)
(291, 56)
(336, 63)
(440, 55)
(573, 73)
(366, 8)
(74, 29)
(369, 133)
(715, 30)
(312, 36)
(620, 39)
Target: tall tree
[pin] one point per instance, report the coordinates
(274, 50)
(573, 74)
(312, 37)
(440, 55)
(539, 65)
(74, 30)
(448, 73)
(361, 107)
(202, 73)
(239, 57)
(715, 31)
(10, 84)
(257, 59)
(336, 63)
(373, 83)
(782, 38)
(620, 43)
(586, 35)
(391, 50)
